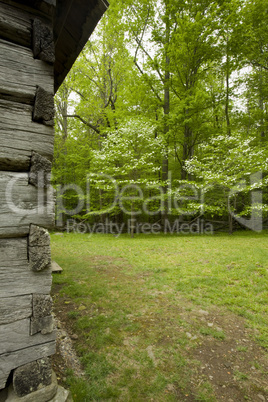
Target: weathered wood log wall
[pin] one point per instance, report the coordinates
(39, 42)
(27, 336)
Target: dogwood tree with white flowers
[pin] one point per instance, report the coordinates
(226, 170)
(126, 170)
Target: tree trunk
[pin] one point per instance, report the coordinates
(166, 108)
(261, 105)
(227, 80)
(188, 150)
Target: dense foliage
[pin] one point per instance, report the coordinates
(164, 114)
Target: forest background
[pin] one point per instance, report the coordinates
(164, 117)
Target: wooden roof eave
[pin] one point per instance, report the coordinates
(74, 22)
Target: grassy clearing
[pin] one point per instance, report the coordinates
(143, 307)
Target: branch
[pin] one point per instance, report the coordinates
(257, 64)
(142, 35)
(85, 122)
(150, 58)
(174, 90)
(177, 156)
(78, 93)
(139, 43)
(90, 78)
(152, 88)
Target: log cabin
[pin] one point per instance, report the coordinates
(39, 42)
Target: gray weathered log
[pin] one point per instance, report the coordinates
(32, 376)
(40, 258)
(42, 305)
(39, 237)
(43, 111)
(10, 361)
(45, 325)
(16, 280)
(46, 7)
(20, 73)
(22, 204)
(16, 277)
(15, 308)
(13, 251)
(15, 24)
(16, 336)
(39, 249)
(20, 136)
(11, 160)
(43, 43)
(40, 171)
(42, 320)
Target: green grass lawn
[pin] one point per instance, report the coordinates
(147, 309)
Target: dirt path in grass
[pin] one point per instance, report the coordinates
(235, 366)
(220, 349)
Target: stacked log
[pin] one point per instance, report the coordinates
(27, 336)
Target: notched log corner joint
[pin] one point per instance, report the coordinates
(43, 42)
(42, 320)
(40, 171)
(39, 249)
(43, 111)
(31, 377)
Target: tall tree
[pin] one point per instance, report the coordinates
(255, 51)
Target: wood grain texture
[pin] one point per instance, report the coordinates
(15, 24)
(44, 325)
(18, 347)
(16, 335)
(16, 276)
(15, 308)
(22, 204)
(44, 7)
(40, 171)
(20, 73)
(72, 28)
(43, 111)
(10, 361)
(17, 280)
(20, 136)
(42, 320)
(13, 251)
